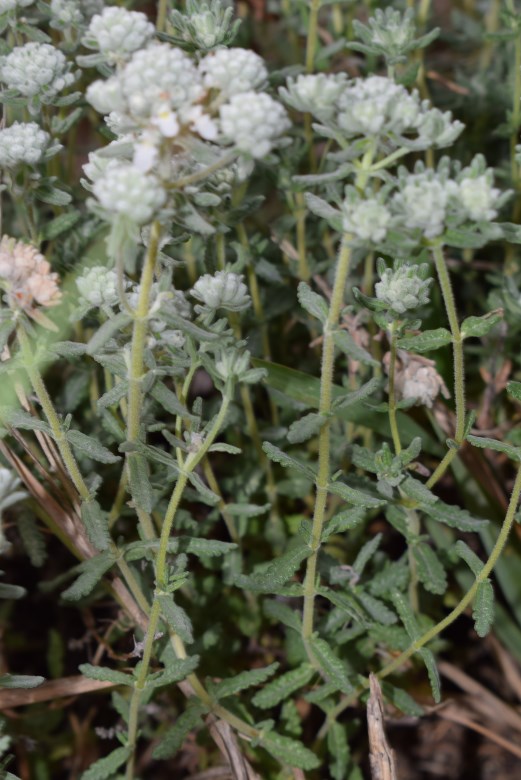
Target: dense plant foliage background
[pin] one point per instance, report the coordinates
(260, 389)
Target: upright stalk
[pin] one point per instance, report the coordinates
(324, 444)
(392, 391)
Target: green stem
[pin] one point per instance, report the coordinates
(392, 392)
(413, 524)
(137, 352)
(433, 632)
(457, 341)
(193, 178)
(304, 273)
(322, 481)
(311, 46)
(162, 13)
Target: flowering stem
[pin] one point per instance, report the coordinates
(457, 341)
(461, 606)
(162, 12)
(304, 273)
(311, 46)
(324, 444)
(392, 392)
(137, 351)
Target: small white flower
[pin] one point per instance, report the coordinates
(375, 105)
(66, 13)
(368, 220)
(36, 70)
(424, 201)
(166, 121)
(98, 287)
(117, 33)
(223, 290)
(403, 287)
(146, 153)
(232, 363)
(201, 123)
(254, 122)
(478, 197)
(105, 95)
(23, 142)
(233, 71)
(125, 190)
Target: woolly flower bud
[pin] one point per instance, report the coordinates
(314, 93)
(98, 287)
(369, 106)
(253, 121)
(424, 201)
(207, 25)
(416, 377)
(27, 276)
(22, 143)
(65, 13)
(233, 70)
(223, 290)
(159, 75)
(117, 33)
(368, 220)
(232, 363)
(10, 5)
(36, 69)
(477, 196)
(403, 287)
(105, 95)
(125, 190)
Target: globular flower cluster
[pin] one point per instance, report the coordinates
(37, 71)
(26, 276)
(98, 288)
(253, 121)
(65, 13)
(223, 290)
(373, 107)
(10, 5)
(403, 287)
(233, 71)
(126, 191)
(24, 142)
(116, 33)
(424, 200)
(367, 220)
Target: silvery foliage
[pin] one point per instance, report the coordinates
(390, 34)
(205, 25)
(404, 287)
(38, 72)
(25, 143)
(223, 290)
(98, 289)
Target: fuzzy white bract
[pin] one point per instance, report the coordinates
(223, 290)
(66, 13)
(315, 93)
(23, 142)
(478, 198)
(367, 220)
(36, 69)
(126, 191)
(254, 122)
(98, 287)
(117, 33)
(377, 104)
(403, 288)
(233, 71)
(424, 201)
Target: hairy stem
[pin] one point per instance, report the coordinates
(324, 445)
(392, 392)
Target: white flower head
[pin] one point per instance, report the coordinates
(126, 191)
(223, 290)
(117, 33)
(367, 220)
(477, 195)
(315, 93)
(377, 105)
(254, 122)
(233, 71)
(66, 13)
(105, 95)
(403, 287)
(98, 287)
(36, 70)
(424, 201)
(11, 5)
(23, 142)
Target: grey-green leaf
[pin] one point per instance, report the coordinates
(354, 496)
(20, 681)
(346, 343)
(480, 326)
(176, 617)
(175, 736)
(474, 563)
(312, 302)
(483, 608)
(92, 570)
(331, 665)
(91, 447)
(96, 524)
(284, 686)
(106, 767)
(139, 483)
(278, 456)
(289, 751)
(426, 341)
(105, 674)
(432, 671)
(339, 749)
(493, 444)
(242, 681)
(305, 428)
(430, 570)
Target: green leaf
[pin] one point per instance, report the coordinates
(96, 524)
(176, 617)
(92, 571)
(432, 671)
(346, 344)
(52, 195)
(139, 483)
(91, 447)
(113, 396)
(8, 591)
(406, 614)
(416, 490)
(376, 609)
(189, 327)
(345, 602)
(24, 421)
(343, 521)
(60, 224)
(354, 496)
(284, 614)
(106, 767)
(107, 331)
(453, 516)
(426, 341)
(368, 389)
(483, 608)
(366, 553)
(430, 570)
(339, 748)
(330, 664)
(321, 208)
(277, 573)
(247, 510)
(179, 670)
(206, 495)
(283, 687)
(173, 739)
(20, 681)
(278, 456)
(305, 428)
(312, 302)
(204, 547)
(401, 700)
(289, 751)
(104, 674)
(474, 563)
(514, 390)
(480, 326)
(169, 401)
(242, 681)
(32, 538)
(493, 444)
